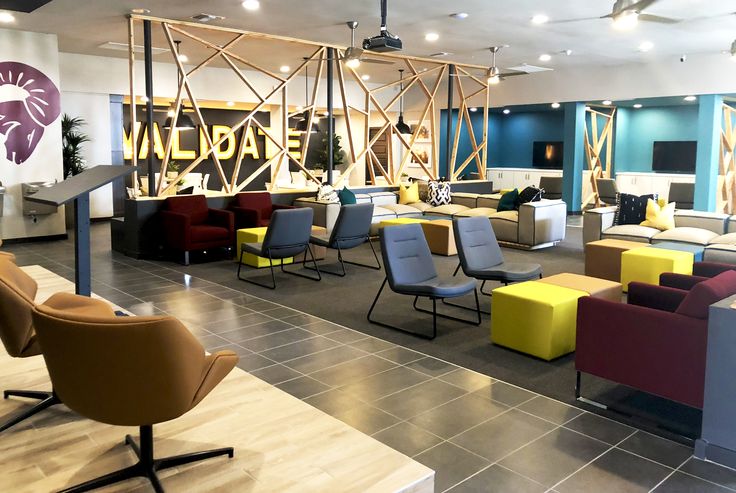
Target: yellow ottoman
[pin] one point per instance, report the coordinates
(535, 318)
(597, 288)
(255, 235)
(440, 237)
(401, 220)
(646, 264)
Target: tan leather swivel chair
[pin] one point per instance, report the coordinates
(129, 371)
(6, 255)
(17, 292)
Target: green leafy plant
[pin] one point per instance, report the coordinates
(323, 152)
(72, 139)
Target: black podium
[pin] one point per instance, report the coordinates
(77, 189)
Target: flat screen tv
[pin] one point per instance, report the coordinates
(547, 155)
(674, 156)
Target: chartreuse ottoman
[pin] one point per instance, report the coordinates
(255, 235)
(400, 220)
(535, 318)
(646, 264)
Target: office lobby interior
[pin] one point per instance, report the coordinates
(378, 246)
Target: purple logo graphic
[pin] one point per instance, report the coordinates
(29, 102)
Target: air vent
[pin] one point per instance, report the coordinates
(22, 5)
(113, 45)
(529, 69)
(207, 17)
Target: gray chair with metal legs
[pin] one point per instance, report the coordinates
(411, 271)
(481, 257)
(287, 236)
(352, 229)
(607, 190)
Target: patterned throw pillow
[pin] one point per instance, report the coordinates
(438, 193)
(327, 194)
(631, 209)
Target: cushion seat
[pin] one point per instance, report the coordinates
(477, 212)
(696, 236)
(508, 271)
(727, 239)
(630, 232)
(382, 213)
(437, 287)
(254, 248)
(420, 206)
(402, 209)
(446, 210)
(506, 225)
(362, 198)
(204, 233)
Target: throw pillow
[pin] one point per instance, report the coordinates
(529, 194)
(346, 196)
(631, 209)
(438, 193)
(410, 194)
(661, 218)
(327, 194)
(508, 201)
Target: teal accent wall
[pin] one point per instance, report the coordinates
(637, 130)
(574, 155)
(517, 132)
(710, 121)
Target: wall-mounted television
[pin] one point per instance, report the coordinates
(547, 155)
(674, 156)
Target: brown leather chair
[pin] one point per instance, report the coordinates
(6, 255)
(17, 292)
(129, 371)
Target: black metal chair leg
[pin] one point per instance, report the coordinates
(28, 394)
(48, 399)
(450, 317)
(375, 256)
(342, 261)
(106, 480)
(394, 327)
(293, 273)
(457, 269)
(270, 264)
(180, 460)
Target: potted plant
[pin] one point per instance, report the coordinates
(73, 162)
(323, 152)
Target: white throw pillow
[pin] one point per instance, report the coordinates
(327, 194)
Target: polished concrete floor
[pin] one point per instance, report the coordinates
(476, 432)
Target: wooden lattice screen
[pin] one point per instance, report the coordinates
(727, 163)
(599, 164)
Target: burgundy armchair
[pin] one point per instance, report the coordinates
(189, 224)
(254, 209)
(701, 272)
(655, 343)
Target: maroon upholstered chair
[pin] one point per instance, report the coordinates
(189, 224)
(701, 272)
(253, 209)
(655, 343)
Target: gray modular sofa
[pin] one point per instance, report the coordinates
(535, 225)
(714, 231)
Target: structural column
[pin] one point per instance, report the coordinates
(710, 118)
(148, 61)
(573, 155)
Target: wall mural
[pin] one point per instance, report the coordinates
(29, 102)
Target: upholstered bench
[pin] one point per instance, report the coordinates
(535, 318)
(603, 257)
(597, 288)
(646, 264)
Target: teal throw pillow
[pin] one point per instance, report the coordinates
(508, 201)
(346, 197)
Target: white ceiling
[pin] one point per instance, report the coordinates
(83, 25)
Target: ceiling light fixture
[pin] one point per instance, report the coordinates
(555, 105)
(144, 99)
(284, 69)
(7, 18)
(540, 19)
(365, 77)
(459, 16)
(607, 102)
(637, 106)
(325, 113)
(626, 20)
(401, 126)
(645, 46)
(251, 4)
(690, 99)
(473, 109)
(183, 58)
(506, 111)
(545, 57)
(431, 37)
(303, 124)
(207, 17)
(352, 62)
(140, 11)
(230, 103)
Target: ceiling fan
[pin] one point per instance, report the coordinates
(493, 74)
(353, 56)
(626, 13)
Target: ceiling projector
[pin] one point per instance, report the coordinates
(385, 41)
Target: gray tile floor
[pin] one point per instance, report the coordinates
(477, 433)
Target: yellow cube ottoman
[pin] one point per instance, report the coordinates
(401, 220)
(535, 318)
(255, 235)
(646, 264)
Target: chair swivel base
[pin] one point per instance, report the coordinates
(147, 466)
(47, 399)
(433, 312)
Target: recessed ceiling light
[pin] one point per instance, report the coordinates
(690, 98)
(230, 103)
(626, 20)
(440, 53)
(494, 79)
(251, 4)
(365, 77)
(506, 111)
(353, 62)
(431, 37)
(6, 17)
(607, 102)
(645, 46)
(459, 15)
(545, 57)
(140, 11)
(638, 105)
(473, 109)
(555, 105)
(540, 19)
(284, 69)
(183, 58)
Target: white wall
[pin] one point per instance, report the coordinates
(95, 110)
(45, 163)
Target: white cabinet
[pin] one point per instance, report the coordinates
(645, 183)
(505, 178)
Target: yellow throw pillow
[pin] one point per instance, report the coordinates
(410, 194)
(661, 218)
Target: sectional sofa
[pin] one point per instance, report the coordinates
(714, 231)
(535, 225)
